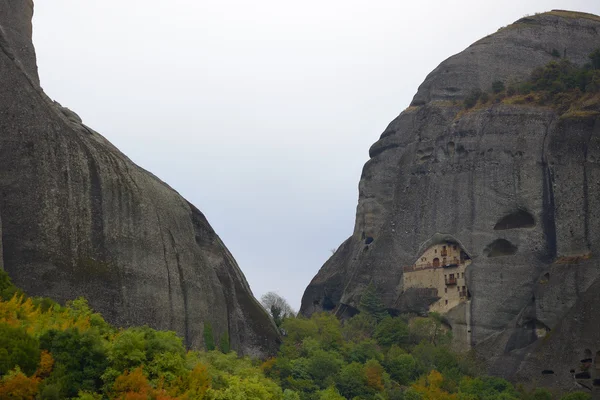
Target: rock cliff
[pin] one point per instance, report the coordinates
(78, 218)
(517, 187)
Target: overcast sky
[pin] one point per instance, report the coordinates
(261, 113)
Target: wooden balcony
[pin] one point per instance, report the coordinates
(451, 281)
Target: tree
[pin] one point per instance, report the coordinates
(392, 331)
(17, 349)
(595, 58)
(17, 386)
(371, 304)
(277, 307)
(80, 360)
(209, 339)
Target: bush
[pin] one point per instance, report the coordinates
(555, 53)
(472, 98)
(497, 86)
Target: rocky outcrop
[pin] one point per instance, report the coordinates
(516, 186)
(78, 218)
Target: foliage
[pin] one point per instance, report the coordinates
(498, 86)
(49, 351)
(209, 339)
(16, 385)
(472, 98)
(577, 396)
(224, 343)
(80, 359)
(573, 91)
(277, 307)
(371, 304)
(17, 349)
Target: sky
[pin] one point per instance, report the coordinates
(260, 113)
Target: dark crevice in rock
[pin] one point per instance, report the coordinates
(583, 375)
(515, 220)
(548, 207)
(500, 247)
(547, 372)
(96, 208)
(184, 290)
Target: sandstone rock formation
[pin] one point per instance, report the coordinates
(78, 218)
(516, 186)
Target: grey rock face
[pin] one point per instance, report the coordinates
(78, 218)
(516, 186)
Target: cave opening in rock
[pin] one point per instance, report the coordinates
(547, 372)
(500, 247)
(515, 220)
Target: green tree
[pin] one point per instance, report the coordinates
(209, 339)
(401, 366)
(363, 351)
(330, 394)
(323, 365)
(7, 289)
(352, 382)
(224, 343)
(17, 349)
(392, 331)
(358, 328)
(371, 304)
(595, 58)
(80, 360)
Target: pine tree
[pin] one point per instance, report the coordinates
(371, 304)
(224, 343)
(209, 339)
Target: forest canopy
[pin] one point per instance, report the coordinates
(50, 351)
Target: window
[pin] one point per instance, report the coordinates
(446, 302)
(458, 288)
(454, 247)
(445, 290)
(463, 288)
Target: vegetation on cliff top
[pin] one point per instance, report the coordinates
(48, 351)
(573, 91)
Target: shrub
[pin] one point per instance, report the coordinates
(595, 58)
(555, 53)
(472, 98)
(498, 86)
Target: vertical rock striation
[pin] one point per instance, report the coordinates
(516, 186)
(78, 218)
